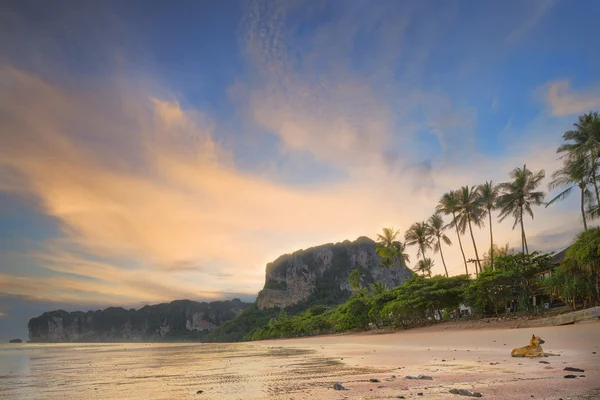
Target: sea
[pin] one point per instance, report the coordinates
(165, 371)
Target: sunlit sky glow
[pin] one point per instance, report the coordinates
(152, 151)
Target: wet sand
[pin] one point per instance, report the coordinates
(473, 359)
(307, 368)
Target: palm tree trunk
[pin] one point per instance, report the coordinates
(475, 247)
(594, 178)
(460, 243)
(442, 254)
(491, 240)
(583, 207)
(523, 237)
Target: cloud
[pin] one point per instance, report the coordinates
(541, 9)
(341, 102)
(151, 204)
(562, 100)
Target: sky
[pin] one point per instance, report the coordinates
(152, 151)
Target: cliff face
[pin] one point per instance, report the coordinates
(178, 320)
(320, 274)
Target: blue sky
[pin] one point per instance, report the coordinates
(160, 150)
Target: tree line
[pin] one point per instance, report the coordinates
(471, 206)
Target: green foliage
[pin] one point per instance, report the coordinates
(237, 329)
(354, 314)
(514, 278)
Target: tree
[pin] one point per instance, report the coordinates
(498, 252)
(449, 205)
(424, 266)
(488, 195)
(355, 279)
(518, 196)
(574, 173)
(584, 254)
(586, 144)
(377, 288)
(418, 234)
(436, 229)
(390, 249)
(471, 213)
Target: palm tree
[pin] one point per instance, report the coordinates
(488, 194)
(449, 204)
(518, 196)
(471, 212)
(418, 234)
(436, 229)
(575, 172)
(586, 144)
(390, 249)
(355, 279)
(377, 288)
(424, 265)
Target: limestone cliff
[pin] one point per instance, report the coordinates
(178, 320)
(319, 275)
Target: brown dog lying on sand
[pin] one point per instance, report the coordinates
(533, 350)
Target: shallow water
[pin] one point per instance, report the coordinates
(164, 371)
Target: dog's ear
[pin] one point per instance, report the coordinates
(532, 336)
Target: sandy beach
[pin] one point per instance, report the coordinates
(473, 359)
(463, 356)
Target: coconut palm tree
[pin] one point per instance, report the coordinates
(377, 287)
(449, 205)
(488, 194)
(436, 230)
(471, 213)
(574, 173)
(390, 249)
(418, 234)
(355, 279)
(585, 142)
(518, 196)
(424, 266)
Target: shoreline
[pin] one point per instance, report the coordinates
(473, 359)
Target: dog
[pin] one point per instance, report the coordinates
(533, 350)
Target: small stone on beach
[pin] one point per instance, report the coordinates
(374, 380)
(200, 392)
(570, 376)
(465, 392)
(544, 362)
(572, 369)
(338, 386)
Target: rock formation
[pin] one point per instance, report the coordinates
(178, 320)
(319, 275)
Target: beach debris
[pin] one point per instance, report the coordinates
(572, 369)
(494, 363)
(420, 394)
(338, 386)
(400, 397)
(593, 352)
(544, 362)
(200, 392)
(374, 380)
(465, 392)
(570, 376)
(548, 367)
(393, 377)
(582, 376)
(422, 377)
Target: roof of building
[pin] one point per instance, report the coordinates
(560, 256)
